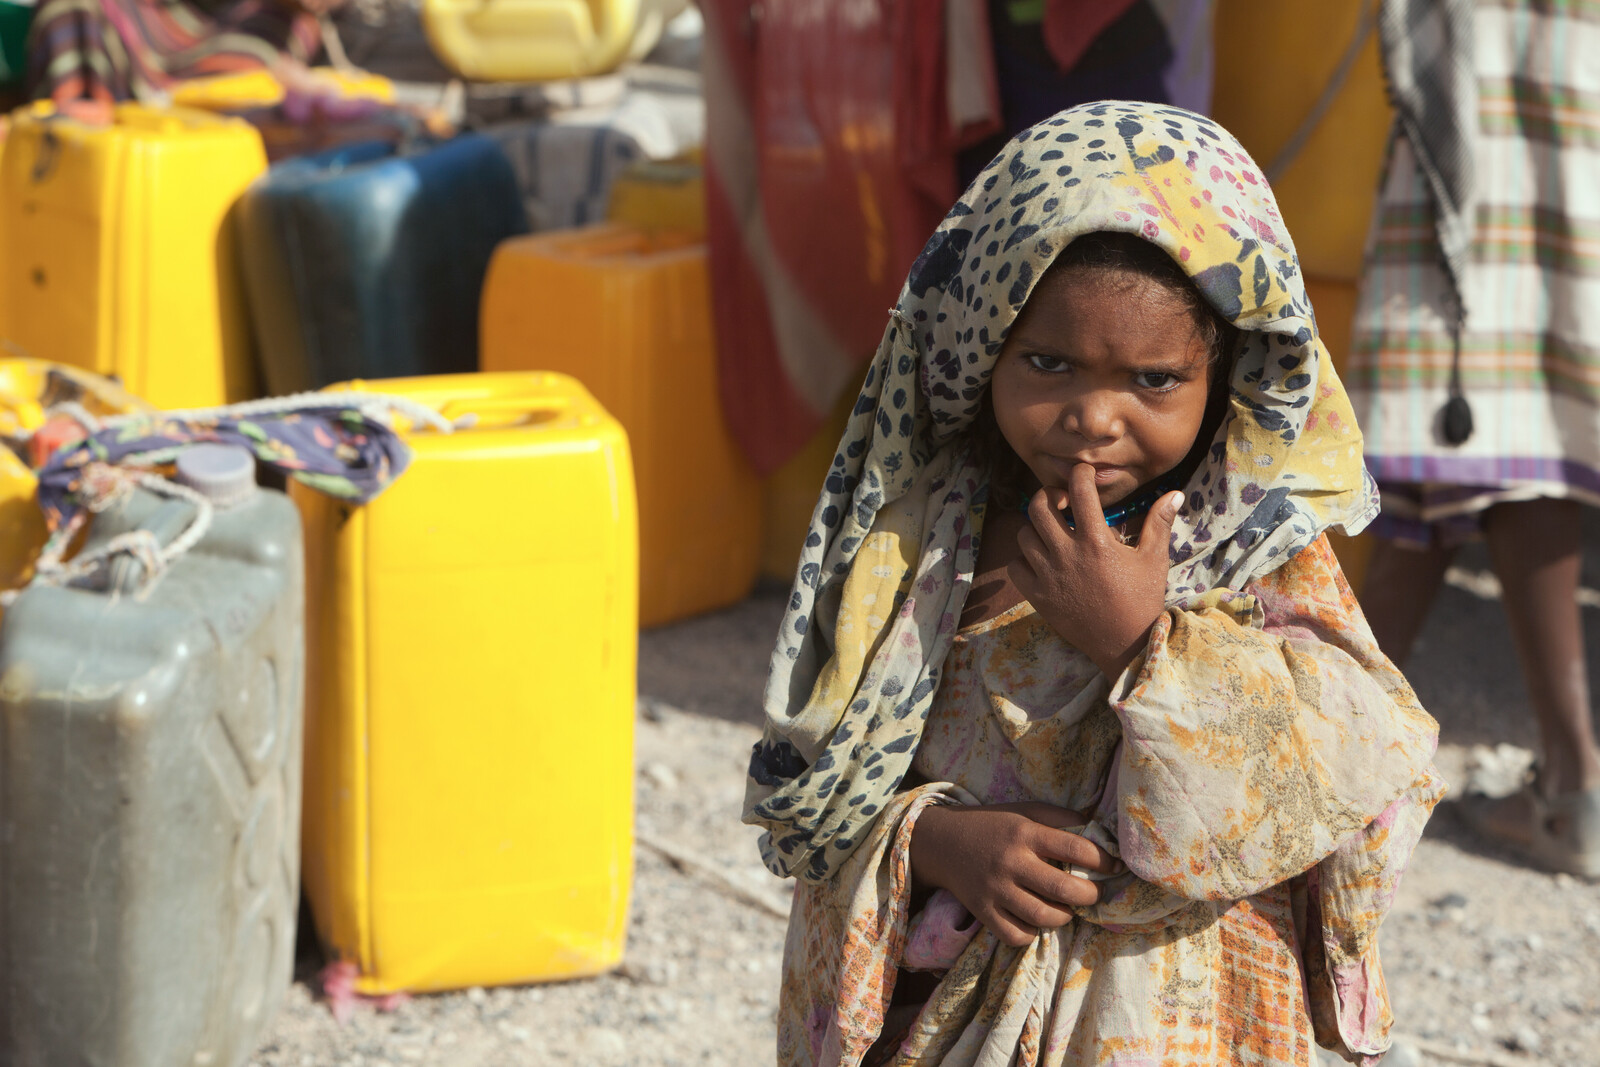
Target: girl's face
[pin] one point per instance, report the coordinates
(1105, 368)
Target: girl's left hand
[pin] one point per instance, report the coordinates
(1100, 595)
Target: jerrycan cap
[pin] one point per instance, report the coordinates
(223, 474)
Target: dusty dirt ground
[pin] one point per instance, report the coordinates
(1489, 962)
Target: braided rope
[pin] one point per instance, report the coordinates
(76, 412)
(113, 484)
(367, 403)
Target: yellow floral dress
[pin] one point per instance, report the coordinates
(1227, 767)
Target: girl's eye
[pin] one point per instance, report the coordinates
(1042, 362)
(1160, 381)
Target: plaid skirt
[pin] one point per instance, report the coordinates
(1530, 291)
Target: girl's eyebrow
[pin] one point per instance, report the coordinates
(1044, 345)
(1185, 361)
(1170, 366)
(1029, 347)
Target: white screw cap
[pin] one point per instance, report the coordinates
(223, 474)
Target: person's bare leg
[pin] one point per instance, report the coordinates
(1534, 549)
(1399, 588)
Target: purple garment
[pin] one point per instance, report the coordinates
(336, 450)
(1158, 51)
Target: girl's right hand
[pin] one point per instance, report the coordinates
(1002, 862)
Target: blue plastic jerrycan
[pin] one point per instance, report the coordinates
(368, 262)
(150, 740)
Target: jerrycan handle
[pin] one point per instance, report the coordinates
(500, 412)
(212, 477)
(128, 573)
(624, 241)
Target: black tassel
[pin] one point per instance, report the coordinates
(1457, 420)
(1456, 416)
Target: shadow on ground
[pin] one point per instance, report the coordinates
(731, 646)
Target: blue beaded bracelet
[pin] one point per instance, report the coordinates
(1131, 508)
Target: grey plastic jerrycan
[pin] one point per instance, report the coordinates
(150, 736)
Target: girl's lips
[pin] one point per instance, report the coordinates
(1105, 474)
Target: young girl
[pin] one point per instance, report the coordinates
(1074, 767)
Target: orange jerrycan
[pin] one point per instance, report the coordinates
(471, 662)
(789, 494)
(665, 194)
(1322, 130)
(628, 312)
(119, 255)
(1321, 135)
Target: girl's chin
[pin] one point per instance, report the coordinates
(1122, 490)
(1110, 495)
(1110, 498)
(1120, 487)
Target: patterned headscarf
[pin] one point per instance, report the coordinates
(888, 561)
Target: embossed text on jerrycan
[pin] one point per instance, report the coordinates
(150, 738)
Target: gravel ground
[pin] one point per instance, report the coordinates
(1489, 962)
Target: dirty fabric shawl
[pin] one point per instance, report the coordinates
(1219, 769)
(888, 561)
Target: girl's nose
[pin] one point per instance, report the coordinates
(1093, 417)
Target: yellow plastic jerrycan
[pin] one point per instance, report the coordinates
(530, 40)
(118, 253)
(242, 90)
(538, 40)
(628, 313)
(22, 529)
(472, 649)
(29, 389)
